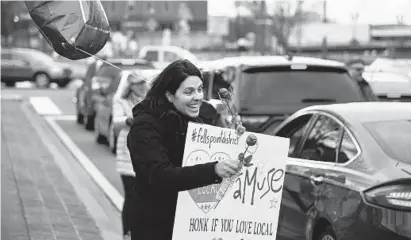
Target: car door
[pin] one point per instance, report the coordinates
(21, 67)
(314, 154)
(6, 65)
(107, 104)
(292, 211)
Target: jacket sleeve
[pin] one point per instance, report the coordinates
(149, 157)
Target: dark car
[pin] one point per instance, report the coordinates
(267, 89)
(24, 64)
(97, 77)
(348, 176)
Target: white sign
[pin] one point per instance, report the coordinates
(245, 206)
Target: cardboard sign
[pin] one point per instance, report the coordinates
(245, 206)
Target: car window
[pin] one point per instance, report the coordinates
(217, 82)
(348, 149)
(170, 56)
(151, 55)
(295, 130)
(20, 58)
(5, 56)
(322, 141)
(270, 86)
(394, 137)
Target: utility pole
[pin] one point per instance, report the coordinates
(324, 43)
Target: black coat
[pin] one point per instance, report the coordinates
(367, 91)
(156, 143)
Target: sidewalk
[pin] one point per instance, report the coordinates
(38, 202)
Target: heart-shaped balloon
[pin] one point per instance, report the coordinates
(205, 197)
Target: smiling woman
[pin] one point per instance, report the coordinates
(156, 144)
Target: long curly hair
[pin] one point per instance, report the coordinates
(168, 80)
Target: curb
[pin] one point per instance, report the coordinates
(11, 97)
(109, 190)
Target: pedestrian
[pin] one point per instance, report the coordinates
(156, 143)
(356, 68)
(130, 95)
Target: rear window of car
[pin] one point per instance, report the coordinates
(394, 137)
(265, 86)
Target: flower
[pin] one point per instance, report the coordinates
(251, 140)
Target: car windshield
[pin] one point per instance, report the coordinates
(269, 86)
(394, 137)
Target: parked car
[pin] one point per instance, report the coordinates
(161, 55)
(25, 64)
(88, 93)
(267, 89)
(390, 86)
(348, 175)
(78, 67)
(111, 112)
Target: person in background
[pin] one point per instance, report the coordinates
(156, 142)
(133, 92)
(356, 68)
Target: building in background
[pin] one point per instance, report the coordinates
(156, 15)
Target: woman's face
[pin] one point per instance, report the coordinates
(139, 89)
(188, 97)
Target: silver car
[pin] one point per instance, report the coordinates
(25, 64)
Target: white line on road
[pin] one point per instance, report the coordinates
(44, 106)
(65, 117)
(115, 197)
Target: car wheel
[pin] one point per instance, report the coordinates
(112, 140)
(327, 234)
(10, 84)
(90, 122)
(42, 80)
(100, 139)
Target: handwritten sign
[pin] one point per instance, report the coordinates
(245, 206)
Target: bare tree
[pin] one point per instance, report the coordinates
(284, 20)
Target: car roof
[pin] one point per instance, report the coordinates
(365, 112)
(254, 61)
(128, 61)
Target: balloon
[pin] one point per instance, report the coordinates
(71, 26)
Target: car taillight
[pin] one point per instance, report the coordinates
(393, 195)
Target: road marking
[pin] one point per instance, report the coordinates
(44, 106)
(65, 117)
(111, 192)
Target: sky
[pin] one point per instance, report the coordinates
(369, 11)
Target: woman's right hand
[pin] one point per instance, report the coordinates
(227, 168)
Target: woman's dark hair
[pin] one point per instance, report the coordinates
(169, 80)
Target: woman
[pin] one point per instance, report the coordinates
(133, 92)
(156, 143)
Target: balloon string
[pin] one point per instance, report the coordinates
(131, 73)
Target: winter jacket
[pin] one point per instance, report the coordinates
(156, 143)
(367, 91)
